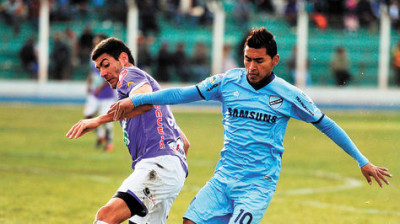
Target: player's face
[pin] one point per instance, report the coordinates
(258, 63)
(109, 68)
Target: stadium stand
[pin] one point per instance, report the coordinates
(362, 46)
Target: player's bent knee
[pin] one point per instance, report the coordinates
(104, 215)
(135, 206)
(111, 214)
(120, 208)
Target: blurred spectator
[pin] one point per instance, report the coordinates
(85, 45)
(292, 67)
(200, 62)
(148, 17)
(71, 40)
(394, 15)
(280, 7)
(117, 10)
(144, 59)
(200, 13)
(13, 13)
(173, 12)
(228, 60)
(376, 7)
(291, 12)
(335, 14)
(33, 12)
(242, 12)
(195, 14)
(61, 10)
(319, 6)
(317, 11)
(319, 19)
(181, 62)
(265, 6)
(164, 58)
(340, 67)
(61, 58)
(365, 15)
(29, 58)
(350, 18)
(396, 63)
(81, 7)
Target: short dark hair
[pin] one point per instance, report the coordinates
(112, 46)
(262, 38)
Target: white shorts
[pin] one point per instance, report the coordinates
(95, 105)
(156, 182)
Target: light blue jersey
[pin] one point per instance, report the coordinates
(255, 123)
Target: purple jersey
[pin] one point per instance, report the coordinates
(154, 133)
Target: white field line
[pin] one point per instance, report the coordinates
(348, 183)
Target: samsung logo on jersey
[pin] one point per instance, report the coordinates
(304, 106)
(252, 115)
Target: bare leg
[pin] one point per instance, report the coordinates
(114, 212)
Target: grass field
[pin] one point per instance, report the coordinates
(48, 178)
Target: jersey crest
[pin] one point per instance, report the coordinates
(275, 102)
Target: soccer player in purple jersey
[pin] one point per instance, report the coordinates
(156, 144)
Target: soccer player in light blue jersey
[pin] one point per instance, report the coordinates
(256, 107)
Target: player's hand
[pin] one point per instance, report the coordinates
(378, 173)
(82, 127)
(121, 108)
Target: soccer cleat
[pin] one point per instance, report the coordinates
(109, 147)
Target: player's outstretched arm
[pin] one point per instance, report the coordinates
(86, 125)
(378, 173)
(162, 97)
(339, 136)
